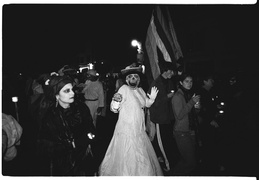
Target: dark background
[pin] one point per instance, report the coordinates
(44, 37)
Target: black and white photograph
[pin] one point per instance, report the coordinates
(129, 89)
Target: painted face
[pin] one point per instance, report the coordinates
(133, 80)
(66, 95)
(187, 83)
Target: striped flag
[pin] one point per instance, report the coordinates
(161, 43)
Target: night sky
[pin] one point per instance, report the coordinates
(42, 38)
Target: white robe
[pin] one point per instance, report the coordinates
(130, 152)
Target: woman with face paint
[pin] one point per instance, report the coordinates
(130, 152)
(185, 125)
(66, 130)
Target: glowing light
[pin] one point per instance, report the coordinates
(90, 135)
(136, 43)
(221, 111)
(15, 99)
(222, 103)
(91, 65)
(143, 69)
(81, 68)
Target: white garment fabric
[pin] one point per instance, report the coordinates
(130, 152)
(14, 132)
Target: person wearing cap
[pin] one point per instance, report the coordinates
(130, 152)
(66, 130)
(93, 94)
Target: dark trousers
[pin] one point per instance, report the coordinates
(186, 144)
(210, 148)
(169, 144)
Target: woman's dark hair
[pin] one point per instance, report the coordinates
(56, 83)
(48, 100)
(165, 66)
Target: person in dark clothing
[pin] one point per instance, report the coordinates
(208, 126)
(161, 115)
(66, 130)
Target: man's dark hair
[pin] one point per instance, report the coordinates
(165, 66)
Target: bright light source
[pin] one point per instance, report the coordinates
(134, 43)
(90, 135)
(222, 103)
(15, 99)
(81, 68)
(91, 66)
(221, 111)
(143, 69)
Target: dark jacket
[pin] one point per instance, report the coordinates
(161, 109)
(63, 138)
(208, 106)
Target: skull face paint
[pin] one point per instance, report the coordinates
(133, 80)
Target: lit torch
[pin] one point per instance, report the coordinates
(138, 44)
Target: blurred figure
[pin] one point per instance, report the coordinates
(185, 126)
(94, 94)
(66, 130)
(161, 114)
(208, 126)
(119, 82)
(130, 152)
(11, 135)
(38, 86)
(34, 100)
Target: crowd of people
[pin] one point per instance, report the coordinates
(173, 127)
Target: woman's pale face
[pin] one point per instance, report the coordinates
(187, 83)
(66, 95)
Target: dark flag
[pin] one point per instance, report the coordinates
(161, 43)
(161, 46)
